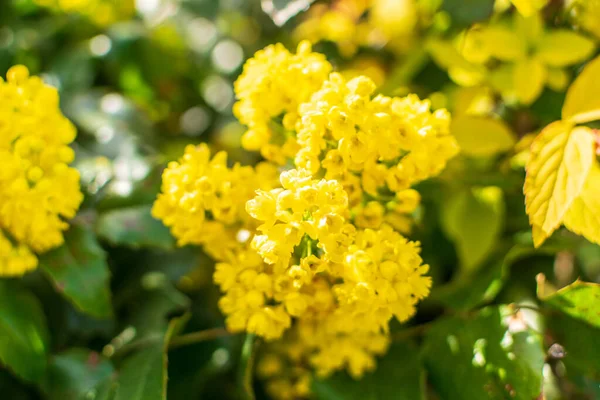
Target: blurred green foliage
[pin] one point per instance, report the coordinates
(97, 320)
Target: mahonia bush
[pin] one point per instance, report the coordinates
(38, 189)
(308, 245)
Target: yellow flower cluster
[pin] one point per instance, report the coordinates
(38, 190)
(100, 12)
(269, 90)
(315, 256)
(352, 24)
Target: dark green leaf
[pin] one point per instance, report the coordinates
(580, 344)
(399, 375)
(466, 12)
(470, 292)
(144, 375)
(75, 373)
(580, 300)
(79, 271)
(490, 355)
(134, 227)
(23, 332)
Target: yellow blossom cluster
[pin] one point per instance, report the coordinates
(308, 244)
(269, 90)
(38, 190)
(100, 12)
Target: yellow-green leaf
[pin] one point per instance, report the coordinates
(583, 217)
(558, 79)
(503, 44)
(482, 136)
(583, 100)
(580, 300)
(562, 47)
(561, 159)
(529, 28)
(529, 79)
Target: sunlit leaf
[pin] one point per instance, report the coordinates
(580, 300)
(23, 332)
(561, 47)
(481, 136)
(583, 103)
(559, 164)
(583, 216)
(78, 270)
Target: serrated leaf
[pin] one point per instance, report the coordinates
(481, 357)
(561, 48)
(583, 217)
(481, 136)
(582, 103)
(399, 375)
(72, 375)
(580, 300)
(79, 271)
(473, 220)
(282, 11)
(23, 332)
(530, 76)
(559, 164)
(134, 227)
(144, 374)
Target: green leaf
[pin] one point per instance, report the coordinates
(23, 332)
(144, 375)
(133, 227)
(466, 12)
(399, 375)
(75, 373)
(473, 220)
(78, 270)
(490, 355)
(580, 300)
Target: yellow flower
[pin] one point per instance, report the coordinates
(38, 190)
(388, 141)
(274, 82)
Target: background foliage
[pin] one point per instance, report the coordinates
(104, 312)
